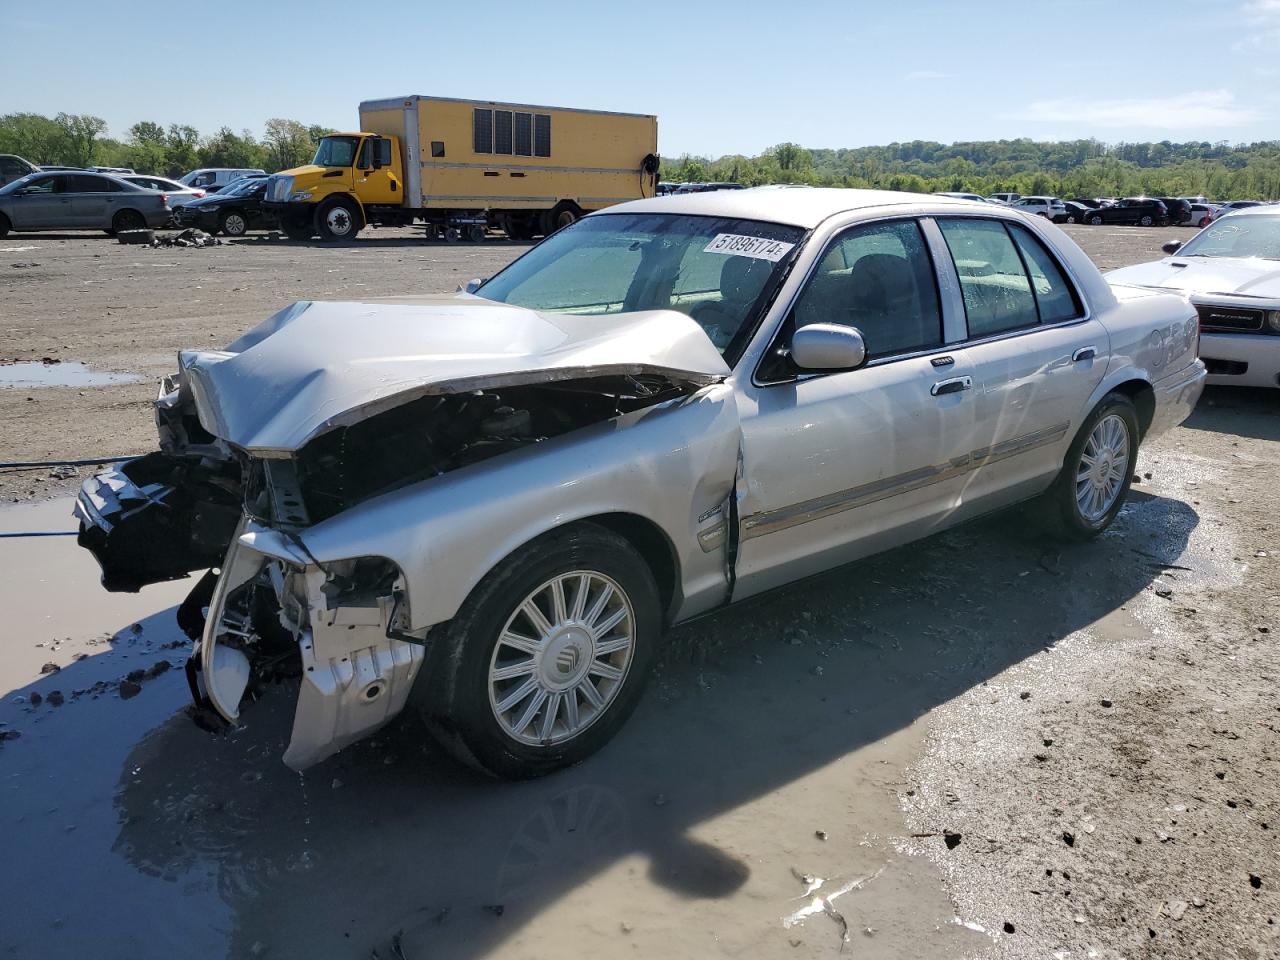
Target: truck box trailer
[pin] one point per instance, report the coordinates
(462, 166)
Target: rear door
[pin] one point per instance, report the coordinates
(92, 199)
(42, 203)
(1035, 352)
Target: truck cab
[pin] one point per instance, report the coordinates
(354, 179)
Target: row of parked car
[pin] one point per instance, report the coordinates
(1139, 211)
(216, 199)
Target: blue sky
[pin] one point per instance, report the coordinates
(818, 73)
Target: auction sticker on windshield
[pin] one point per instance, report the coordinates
(740, 245)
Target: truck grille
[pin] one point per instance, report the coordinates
(1230, 319)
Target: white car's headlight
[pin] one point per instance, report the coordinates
(299, 196)
(1273, 319)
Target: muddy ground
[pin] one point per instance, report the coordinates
(983, 744)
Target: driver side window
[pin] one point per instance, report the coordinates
(878, 278)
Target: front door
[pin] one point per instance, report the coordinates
(376, 178)
(42, 203)
(840, 465)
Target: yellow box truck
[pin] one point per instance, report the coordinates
(463, 166)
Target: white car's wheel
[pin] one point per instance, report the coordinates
(548, 656)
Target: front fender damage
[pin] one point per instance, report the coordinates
(334, 632)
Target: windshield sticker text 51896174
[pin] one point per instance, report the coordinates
(739, 245)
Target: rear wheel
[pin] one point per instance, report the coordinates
(1147, 220)
(563, 215)
(548, 656)
(338, 219)
(233, 223)
(1097, 472)
(476, 233)
(128, 220)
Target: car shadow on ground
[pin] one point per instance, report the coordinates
(1241, 411)
(390, 844)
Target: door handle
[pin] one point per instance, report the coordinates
(1084, 353)
(954, 385)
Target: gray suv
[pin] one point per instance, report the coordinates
(14, 168)
(79, 201)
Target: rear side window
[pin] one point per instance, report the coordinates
(1008, 278)
(878, 278)
(1055, 297)
(82, 183)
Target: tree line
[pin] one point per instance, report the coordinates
(1074, 168)
(79, 140)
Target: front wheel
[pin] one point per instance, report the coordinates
(1071, 218)
(547, 657)
(1098, 470)
(233, 223)
(338, 219)
(1095, 220)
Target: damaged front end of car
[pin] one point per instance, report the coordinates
(269, 446)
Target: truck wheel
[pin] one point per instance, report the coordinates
(547, 657)
(564, 214)
(338, 219)
(476, 233)
(431, 232)
(1097, 472)
(452, 235)
(233, 223)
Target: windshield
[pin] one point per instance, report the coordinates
(336, 152)
(238, 188)
(1253, 235)
(720, 271)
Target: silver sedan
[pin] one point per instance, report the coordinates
(79, 201)
(492, 505)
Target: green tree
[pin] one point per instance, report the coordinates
(79, 133)
(287, 144)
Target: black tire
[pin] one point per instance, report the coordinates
(564, 214)
(454, 690)
(338, 219)
(234, 223)
(128, 220)
(5, 226)
(1062, 507)
(1095, 220)
(1071, 218)
(452, 234)
(476, 233)
(1146, 220)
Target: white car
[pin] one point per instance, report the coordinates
(1051, 208)
(1202, 214)
(1005, 198)
(491, 505)
(1231, 272)
(177, 193)
(215, 178)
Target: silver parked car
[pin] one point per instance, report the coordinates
(491, 505)
(79, 201)
(1231, 272)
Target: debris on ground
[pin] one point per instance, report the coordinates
(191, 237)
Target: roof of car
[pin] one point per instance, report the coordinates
(798, 206)
(1265, 210)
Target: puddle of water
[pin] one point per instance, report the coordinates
(26, 374)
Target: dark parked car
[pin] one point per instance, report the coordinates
(14, 168)
(1076, 211)
(79, 201)
(1141, 211)
(1179, 210)
(235, 210)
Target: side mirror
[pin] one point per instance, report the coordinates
(1173, 246)
(473, 285)
(828, 346)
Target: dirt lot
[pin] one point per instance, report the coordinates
(984, 744)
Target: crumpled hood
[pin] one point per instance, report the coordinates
(1251, 277)
(316, 366)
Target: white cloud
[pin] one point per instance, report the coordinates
(927, 75)
(1185, 111)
